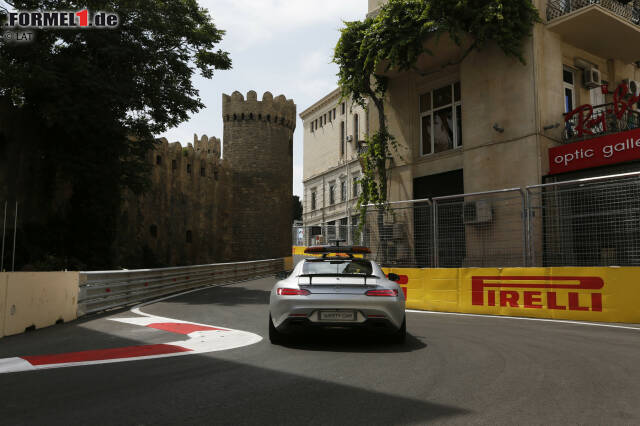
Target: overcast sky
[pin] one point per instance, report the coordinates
(281, 46)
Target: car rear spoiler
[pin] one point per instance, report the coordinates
(310, 276)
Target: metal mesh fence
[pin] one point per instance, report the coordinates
(588, 222)
(481, 230)
(400, 235)
(325, 234)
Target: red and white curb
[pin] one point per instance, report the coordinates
(202, 339)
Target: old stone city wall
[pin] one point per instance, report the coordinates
(204, 209)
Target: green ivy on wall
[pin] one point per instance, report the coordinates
(394, 39)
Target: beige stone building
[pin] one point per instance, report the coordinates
(489, 121)
(333, 128)
(486, 121)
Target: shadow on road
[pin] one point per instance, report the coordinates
(225, 296)
(204, 389)
(355, 342)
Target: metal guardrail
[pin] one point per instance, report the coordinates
(103, 290)
(605, 121)
(629, 10)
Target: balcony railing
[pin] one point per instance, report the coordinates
(629, 11)
(605, 122)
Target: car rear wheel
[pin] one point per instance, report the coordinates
(400, 336)
(275, 337)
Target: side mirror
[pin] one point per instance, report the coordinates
(393, 277)
(282, 275)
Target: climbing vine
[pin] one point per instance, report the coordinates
(394, 39)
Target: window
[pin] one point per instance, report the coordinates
(311, 127)
(332, 194)
(342, 142)
(189, 237)
(153, 230)
(313, 200)
(356, 128)
(189, 168)
(343, 232)
(334, 113)
(440, 119)
(596, 96)
(158, 159)
(320, 121)
(568, 77)
(343, 191)
(202, 171)
(325, 119)
(338, 267)
(330, 117)
(343, 108)
(331, 232)
(355, 187)
(174, 164)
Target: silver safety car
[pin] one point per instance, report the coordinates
(337, 290)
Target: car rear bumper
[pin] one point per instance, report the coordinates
(370, 311)
(293, 325)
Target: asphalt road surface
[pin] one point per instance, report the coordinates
(452, 370)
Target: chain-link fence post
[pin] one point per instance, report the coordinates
(436, 251)
(525, 229)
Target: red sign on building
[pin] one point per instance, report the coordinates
(610, 149)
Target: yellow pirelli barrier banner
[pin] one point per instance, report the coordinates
(298, 250)
(587, 294)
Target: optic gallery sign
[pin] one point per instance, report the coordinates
(600, 151)
(610, 149)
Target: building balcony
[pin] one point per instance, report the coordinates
(608, 28)
(603, 121)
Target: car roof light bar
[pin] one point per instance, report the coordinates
(337, 249)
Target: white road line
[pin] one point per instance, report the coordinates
(592, 324)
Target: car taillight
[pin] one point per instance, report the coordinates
(382, 293)
(292, 292)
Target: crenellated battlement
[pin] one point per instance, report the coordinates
(276, 111)
(204, 148)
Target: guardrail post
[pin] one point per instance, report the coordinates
(525, 226)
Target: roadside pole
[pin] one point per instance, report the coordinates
(4, 228)
(15, 231)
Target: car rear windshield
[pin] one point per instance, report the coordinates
(337, 267)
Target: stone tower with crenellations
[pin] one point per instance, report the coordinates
(204, 208)
(258, 149)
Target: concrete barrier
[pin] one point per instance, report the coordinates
(39, 299)
(605, 294)
(3, 299)
(288, 263)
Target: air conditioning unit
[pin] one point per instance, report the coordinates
(634, 86)
(592, 78)
(349, 138)
(477, 212)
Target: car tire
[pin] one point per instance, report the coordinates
(275, 337)
(400, 336)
